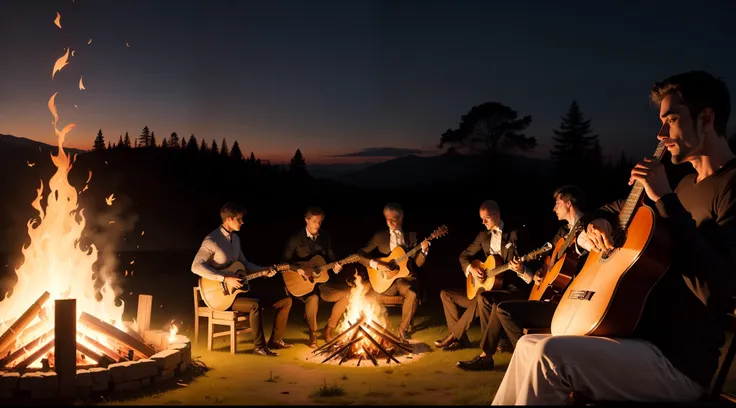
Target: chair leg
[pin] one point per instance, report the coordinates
(196, 329)
(210, 334)
(233, 338)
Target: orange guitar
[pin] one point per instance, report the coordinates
(220, 296)
(608, 295)
(317, 269)
(558, 268)
(490, 280)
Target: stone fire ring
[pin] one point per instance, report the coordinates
(129, 376)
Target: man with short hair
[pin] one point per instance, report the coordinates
(673, 353)
(381, 244)
(303, 246)
(219, 249)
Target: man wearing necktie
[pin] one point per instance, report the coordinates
(380, 245)
(498, 239)
(303, 246)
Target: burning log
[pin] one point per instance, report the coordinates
(23, 350)
(339, 336)
(377, 344)
(145, 302)
(111, 331)
(65, 350)
(36, 355)
(104, 349)
(341, 349)
(88, 352)
(10, 335)
(368, 353)
(390, 337)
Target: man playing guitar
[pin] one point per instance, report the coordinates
(383, 242)
(674, 350)
(221, 248)
(303, 246)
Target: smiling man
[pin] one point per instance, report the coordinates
(674, 351)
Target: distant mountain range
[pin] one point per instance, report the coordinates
(22, 144)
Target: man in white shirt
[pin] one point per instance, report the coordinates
(383, 242)
(219, 249)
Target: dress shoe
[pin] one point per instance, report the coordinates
(448, 340)
(265, 351)
(478, 363)
(328, 334)
(279, 345)
(463, 343)
(312, 340)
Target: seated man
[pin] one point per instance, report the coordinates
(219, 249)
(674, 350)
(381, 244)
(303, 246)
(498, 239)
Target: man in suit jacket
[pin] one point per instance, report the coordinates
(497, 239)
(303, 246)
(380, 245)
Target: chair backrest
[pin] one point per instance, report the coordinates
(198, 301)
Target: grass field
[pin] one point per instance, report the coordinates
(245, 379)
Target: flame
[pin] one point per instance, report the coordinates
(127, 45)
(54, 260)
(30, 164)
(81, 84)
(57, 21)
(110, 199)
(90, 41)
(359, 305)
(172, 332)
(60, 63)
(72, 53)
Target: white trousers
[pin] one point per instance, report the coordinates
(544, 370)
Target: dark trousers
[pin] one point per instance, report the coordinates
(407, 289)
(490, 325)
(452, 299)
(517, 315)
(335, 293)
(253, 306)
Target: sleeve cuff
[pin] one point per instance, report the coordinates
(373, 264)
(527, 275)
(467, 270)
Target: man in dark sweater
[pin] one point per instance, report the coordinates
(674, 351)
(303, 246)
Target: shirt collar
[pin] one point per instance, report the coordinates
(498, 228)
(225, 232)
(309, 235)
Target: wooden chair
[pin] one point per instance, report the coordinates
(237, 322)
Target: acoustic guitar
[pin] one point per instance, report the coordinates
(397, 261)
(318, 271)
(220, 296)
(558, 268)
(490, 279)
(607, 296)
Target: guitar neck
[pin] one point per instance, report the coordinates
(637, 194)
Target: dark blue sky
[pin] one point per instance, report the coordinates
(337, 77)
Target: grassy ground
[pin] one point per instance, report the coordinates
(245, 379)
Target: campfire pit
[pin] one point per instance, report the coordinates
(108, 359)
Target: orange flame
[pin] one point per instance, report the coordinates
(172, 332)
(110, 199)
(57, 21)
(60, 63)
(81, 84)
(361, 305)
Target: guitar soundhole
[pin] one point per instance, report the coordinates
(393, 266)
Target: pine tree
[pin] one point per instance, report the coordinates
(152, 141)
(183, 142)
(575, 147)
(235, 152)
(109, 146)
(192, 144)
(214, 149)
(145, 138)
(298, 166)
(164, 144)
(203, 147)
(174, 141)
(120, 142)
(126, 141)
(252, 158)
(224, 151)
(99, 141)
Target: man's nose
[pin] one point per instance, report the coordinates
(664, 132)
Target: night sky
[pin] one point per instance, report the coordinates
(335, 78)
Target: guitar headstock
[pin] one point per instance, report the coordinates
(539, 251)
(441, 231)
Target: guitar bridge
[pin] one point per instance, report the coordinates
(581, 295)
